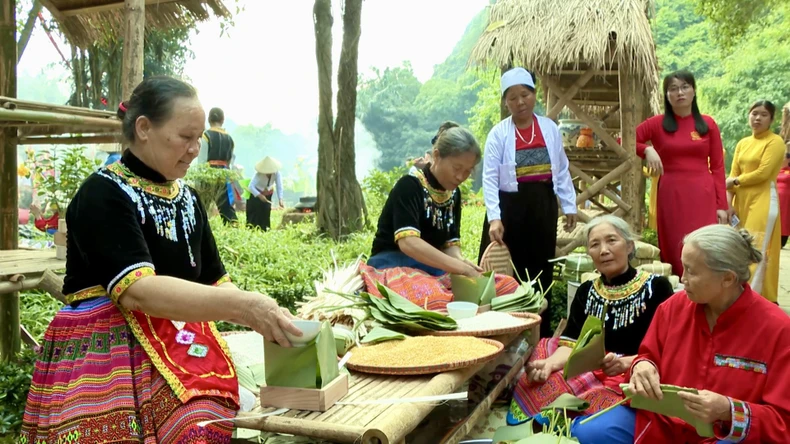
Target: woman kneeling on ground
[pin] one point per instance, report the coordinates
(719, 337)
(419, 230)
(632, 297)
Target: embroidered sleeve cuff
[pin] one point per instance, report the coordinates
(406, 232)
(452, 243)
(224, 279)
(637, 361)
(738, 428)
(129, 276)
(566, 342)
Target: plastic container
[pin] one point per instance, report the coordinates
(461, 310)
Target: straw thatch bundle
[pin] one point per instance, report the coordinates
(548, 36)
(785, 130)
(85, 28)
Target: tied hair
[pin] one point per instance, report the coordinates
(755, 255)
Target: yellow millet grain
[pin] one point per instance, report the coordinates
(421, 351)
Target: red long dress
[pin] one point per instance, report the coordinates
(783, 188)
(745, 357)
(692, 187)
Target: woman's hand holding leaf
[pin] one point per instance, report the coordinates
(270, 320)
(613, 364)
(539, 371)
(707, 406)
(645, 380)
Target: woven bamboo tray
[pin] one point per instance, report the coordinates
(428, 369)
(496, 258)
(529, 322)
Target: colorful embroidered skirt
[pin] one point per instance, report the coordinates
(94, 383)
(420, 287)
(529, 399)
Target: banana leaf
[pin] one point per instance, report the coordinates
(568, 402)
(312, 366)
(475, 290)
(381, 334)
(670, 405)
(396, 311)
(589, 350)
(344, 339)
(508, 434)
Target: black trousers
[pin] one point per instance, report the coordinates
(530, 220)
(259, 213)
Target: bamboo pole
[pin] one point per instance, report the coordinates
(301, 427)
(567, 95)
(576, 171)
(21, 115)
(78, 140)
(628, 121)
(12, 103)
(133, 41)
(10, 339)
(598, 186)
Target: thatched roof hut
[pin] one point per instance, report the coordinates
(595, 58)
(84, 22)
(549, 36)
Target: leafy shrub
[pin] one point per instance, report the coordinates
(71, 168)
(209, 182)
(15, 380)
(650, 236)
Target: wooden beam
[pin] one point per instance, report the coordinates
(628, 118)
(576, 171)
(77, 140)
(503, 111)
(589, 121)
(10, 339)
(567, 95)
(106, 7)
(22, 115)
(598, 186)
(12, 104)
(59, 17)
(133, 43)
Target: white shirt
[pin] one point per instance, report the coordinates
(263, 182)
(499, 165)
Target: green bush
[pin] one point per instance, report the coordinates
(15, 380)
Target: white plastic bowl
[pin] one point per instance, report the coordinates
(310, 330)
(461, 310)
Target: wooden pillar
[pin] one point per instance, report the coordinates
(629, 115)
(9, 213)
(133, 44)
(503, 111)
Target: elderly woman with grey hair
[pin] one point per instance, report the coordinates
(717, 336)
(624, 297)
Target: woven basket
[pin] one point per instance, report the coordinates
(428, 369)
(529, 322)
(496, 258)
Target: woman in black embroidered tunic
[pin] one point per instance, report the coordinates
(134, 356)
(419, 226)
(632, 297)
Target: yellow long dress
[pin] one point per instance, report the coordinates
(756, 163)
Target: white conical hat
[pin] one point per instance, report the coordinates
(269, 165)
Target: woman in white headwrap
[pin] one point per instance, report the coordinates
(259, 207)
(525, 170)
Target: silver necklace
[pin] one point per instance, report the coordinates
(531, 139)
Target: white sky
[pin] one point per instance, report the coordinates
(265, 70)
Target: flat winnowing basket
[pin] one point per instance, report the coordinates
(496, 258)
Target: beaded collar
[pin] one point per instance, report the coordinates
(157, 200)
(439, 204)
(625, 296)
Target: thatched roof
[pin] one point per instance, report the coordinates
(547, 36)
(84, 22)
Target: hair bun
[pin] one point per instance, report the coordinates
(122, 108)
(755, 255)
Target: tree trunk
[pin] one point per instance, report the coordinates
(10, 340)
(84, 91)
(351, 210)
(78, 73)
(327, 202)
(95, 67)
(27, 31)
(133, 46)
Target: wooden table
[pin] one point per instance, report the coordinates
(391, 423)
(28, 262)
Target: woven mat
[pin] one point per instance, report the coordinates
(497, 258)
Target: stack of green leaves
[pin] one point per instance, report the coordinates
(396, 312)
(525, 299)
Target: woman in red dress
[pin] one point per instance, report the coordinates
(685, 149)
(783, 180)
